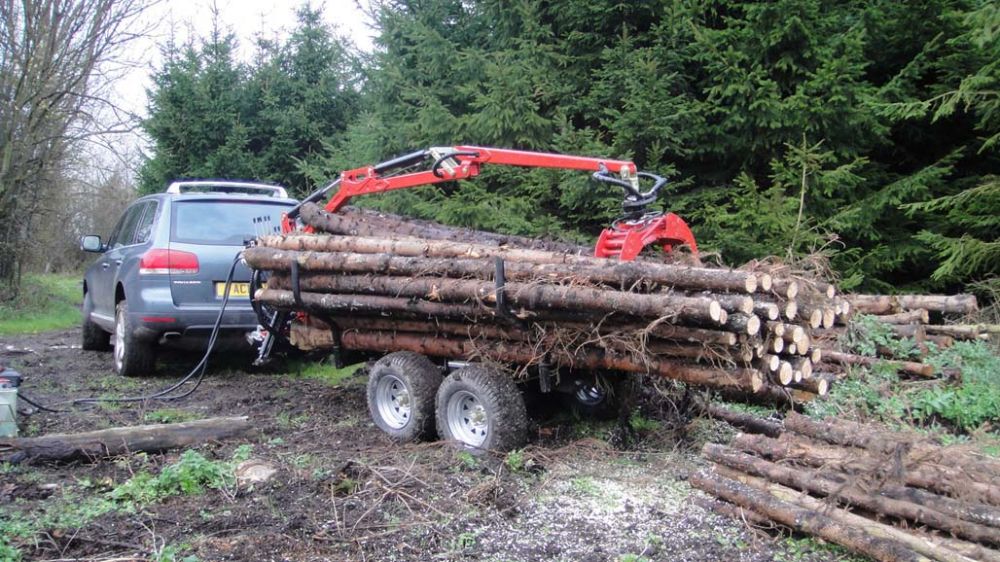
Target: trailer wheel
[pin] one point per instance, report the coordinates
(401, 391)
(481, 408)
(595, 398)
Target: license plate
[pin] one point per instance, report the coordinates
(236, 290)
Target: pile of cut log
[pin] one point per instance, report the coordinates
(378, 282)
(888, 495)
(918, 317)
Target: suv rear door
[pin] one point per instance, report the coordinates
(121, 245)
(215, 230)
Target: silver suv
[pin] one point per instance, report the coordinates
(161, 275)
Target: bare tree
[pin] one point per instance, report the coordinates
(51, 56)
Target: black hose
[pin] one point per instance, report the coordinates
(198, 370)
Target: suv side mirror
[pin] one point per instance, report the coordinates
(91, 243)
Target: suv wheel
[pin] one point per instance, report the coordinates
(94, 338)
(132, 357)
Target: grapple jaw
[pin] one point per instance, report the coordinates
(628, 237)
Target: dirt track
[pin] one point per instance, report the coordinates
(345, 492)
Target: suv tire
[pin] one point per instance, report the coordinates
(132, 357)
(93, 337)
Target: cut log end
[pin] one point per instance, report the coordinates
(763, 280)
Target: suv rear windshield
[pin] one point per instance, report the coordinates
(224, 223)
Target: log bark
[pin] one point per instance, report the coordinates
(802, 519)
(908, 367)
(745, 422)
(736, 512)
(747, 324)
(698, 278)
(744, 379)
(530, 296)
(816, 385)
(817, 483)
(121, 440)
(733, 303)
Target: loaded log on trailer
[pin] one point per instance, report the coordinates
(467, 318)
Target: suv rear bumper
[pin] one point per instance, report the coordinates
(194, 325)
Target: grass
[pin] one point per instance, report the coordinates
(326, 373)
(46, 302)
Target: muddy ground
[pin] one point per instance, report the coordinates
(343, 491)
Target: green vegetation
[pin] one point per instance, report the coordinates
(796, 549)
(169, 415)
(191, 474)
(880, 394)
(325, 372)
(45, 302)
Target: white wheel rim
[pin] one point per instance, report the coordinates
(467, 418)
(590, 395)
(119, 341)
(392, 401)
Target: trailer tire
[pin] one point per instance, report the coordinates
(402, 387)
(481, 408)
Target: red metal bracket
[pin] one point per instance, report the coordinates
(625, 240)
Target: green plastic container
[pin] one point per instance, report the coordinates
(8, 411)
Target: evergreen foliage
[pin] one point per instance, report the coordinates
(868, 130)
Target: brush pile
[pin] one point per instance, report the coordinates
(889, 495)
(378, 282)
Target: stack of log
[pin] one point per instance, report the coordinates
(378, 282)
(921, 318)
(884, 494)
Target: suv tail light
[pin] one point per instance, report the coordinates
(175, 262)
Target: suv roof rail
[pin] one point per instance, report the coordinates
(213, 186)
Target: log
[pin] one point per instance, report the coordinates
(819, 386)
(918, 546)
(736, 512)
(121, 440)
(803, 365)
(747, 324)
(964, 331)
(364, 222)
(699, 278)
(743, 379)
(908, 367)
(745, 422)
(805, 520)
(785, 288)
(766, 310)
(886, 304)
(375, 305)
(917, 316)
(817, 483)
(530, 296)
(968, 511)
(733, 303)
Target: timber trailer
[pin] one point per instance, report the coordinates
(412, 396)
